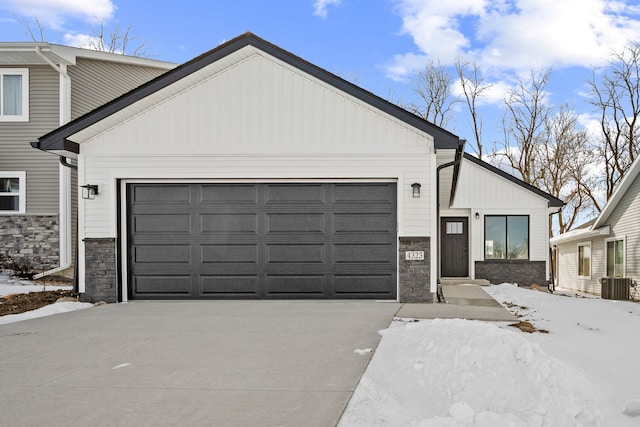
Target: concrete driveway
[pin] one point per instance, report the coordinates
(210, 363)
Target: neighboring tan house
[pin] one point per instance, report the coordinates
(43, 86)
(249, 172)
(607, 247)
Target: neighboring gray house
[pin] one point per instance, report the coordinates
(607, 247)
(249, 172)
(43, 86)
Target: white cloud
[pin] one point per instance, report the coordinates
(518, 34)
(84, 41)
(54, 13)
(320, 7)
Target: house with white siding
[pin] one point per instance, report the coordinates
(249, 172)
(43, 86)
(606, 251)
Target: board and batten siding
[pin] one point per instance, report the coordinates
(625, 221)
(258, 119)
(482, 191)
(96, 82)
(16, 152)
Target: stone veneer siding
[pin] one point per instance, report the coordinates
(36, 237)
(415, 276)
(524, 273)
(100, 270)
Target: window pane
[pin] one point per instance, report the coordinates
(518, 234)
(12, 95)
(619, 258)
(495, 237)
(9, 185)
(584, 260)
(454, 228)
(610, 259)
(9, 203)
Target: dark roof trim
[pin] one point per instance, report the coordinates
(65, 145)
(456, 168)
(553, 201)
(56, 140)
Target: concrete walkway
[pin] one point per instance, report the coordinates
(464, 302)
(209, 363)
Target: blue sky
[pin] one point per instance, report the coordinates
(377, 43)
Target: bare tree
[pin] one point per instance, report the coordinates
(524, 120)
(473, 86)
(433, 86)
(615, 93)
(564, 160)
(101, 39)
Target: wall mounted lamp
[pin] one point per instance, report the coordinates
(477, 215)
(89, 192)
(416, 189)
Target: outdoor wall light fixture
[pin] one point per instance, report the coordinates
(416, 190)
(89, 192)
(477, 215)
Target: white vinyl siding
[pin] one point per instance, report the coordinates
(567, 267)
(14, 94)
(12, 192)
(624, 221)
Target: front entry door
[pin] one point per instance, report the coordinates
(454, 259)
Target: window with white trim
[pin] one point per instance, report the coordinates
(12, 192)
(14, 94)
(615, 254)
(584, 260)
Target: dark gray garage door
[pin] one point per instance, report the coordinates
(307, 240)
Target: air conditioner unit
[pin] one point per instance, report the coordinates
(615, 288)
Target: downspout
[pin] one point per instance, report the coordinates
(439, 295)
(551, 286)
(64, 171)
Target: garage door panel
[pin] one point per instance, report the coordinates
(229, 223)
(366, 283)
(363, 222)
(161, 223)
(295, 223)
(231, 193)
(161, 284)
(149, 254)
(226, 285)
(296, 254)
(225, 253)
(306, 240)
(164, 195)
(295, 284)
(365, 253)
(295, 194)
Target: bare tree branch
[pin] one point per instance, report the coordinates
(473, 86)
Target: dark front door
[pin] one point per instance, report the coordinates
(454, 255)
(297, 240)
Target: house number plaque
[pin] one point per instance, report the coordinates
(414, 255)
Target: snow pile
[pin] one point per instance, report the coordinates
(57, 308)
(462, 373)
(11, 285)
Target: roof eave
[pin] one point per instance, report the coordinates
(442, 138)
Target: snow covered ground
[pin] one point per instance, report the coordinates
(10, 285)
(447, 373)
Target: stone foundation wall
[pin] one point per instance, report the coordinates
(101, 274)
(524, 273)
(36, 237)
(415, 275)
